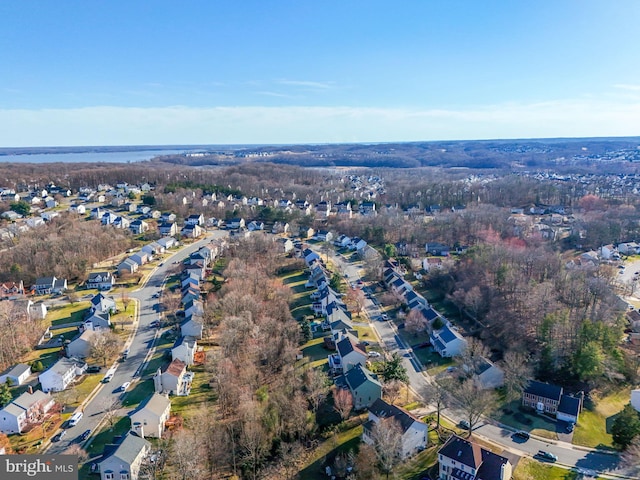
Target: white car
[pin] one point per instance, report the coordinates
(124, 386)
(374, 354)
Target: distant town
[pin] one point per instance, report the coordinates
(440, 310)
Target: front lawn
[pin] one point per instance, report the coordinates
(594, 424)
(528, 469)
(60, 315)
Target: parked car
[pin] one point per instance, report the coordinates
(384, 316)
(94, 369)
(464, 424)
(124, 386)
(125, 354)
(570, 426)
(59, 436)
(547, 456)
(107, 378)
(374, 354)
(522, 434)
(84, 435)
(154, 324)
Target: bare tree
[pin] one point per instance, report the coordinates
(253, 436)
(474, 401)
(391, 390)
(78, 451)
(365, 463)
(105, 345)
(183, 455)
(387, 442)
(415, 322)
(317, 384)
(110, 407)
(517, 373)
(439, 392)
(473, 355)
(342, 402)
(630, 458)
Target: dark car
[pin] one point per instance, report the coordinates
(154, 324)
(94, 369)
(84, 435)
(547, 456)
(464, 424)
(59, 436)
(522, 434)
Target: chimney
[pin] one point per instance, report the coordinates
(30, 390)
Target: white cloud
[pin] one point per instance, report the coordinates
(307, 84)
(241, 125)
(626, 86)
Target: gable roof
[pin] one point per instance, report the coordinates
(16, 370)
(463, 451)
(382, 409)
(175, 368)
(346, 346)
(545, 390)
(128, 450)
(569, 405)
(156, 404)
(359, 375)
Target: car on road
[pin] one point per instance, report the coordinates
(59, 436)
(384, 316)
(522, 434)
(124, 386)
(84, 435)
(154, 324)
(107, 378)
(464, 424)
(161, 264)
(94, 369)
(125, 354)
(547, 455)
(374, 354)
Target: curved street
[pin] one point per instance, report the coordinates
(140, 343)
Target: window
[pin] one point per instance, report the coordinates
(108, 476)
(124, 476)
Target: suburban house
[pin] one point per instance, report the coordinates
(149, 418)
(28, 409)
(61, 374)
(486, 374)
(16, 374)
(98, 321)
(80, 346)
(127, 266)
(167, 242)
(173, 379)
(548, 398)
(310, 256)
(192, 326)
(448, 342)
(123, 461)
(11, 290)
(168, 228)
(363, 385)
(235, 223)
(635, 399)
(47, 285)
(184, 349)
(348, 356)
(437, 249)
(462, 459)
(191, 231)
(414, 432)
(193, 307)
(100, 280)
(140, 258)
(195, 220)
(138, 226)
(102, 304)
(323, 236)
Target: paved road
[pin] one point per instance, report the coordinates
(568, 454)
(141, 342)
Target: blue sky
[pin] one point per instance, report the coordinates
(219, 72)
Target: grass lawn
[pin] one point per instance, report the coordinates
(201, 394)
(60, 315)
(314, 352)
(104, 437)
(594, 424)
(432, 361)
(341, 442)
(414, 468)
(539, 425)
(366, 333)
(528, 469)
(141, 390)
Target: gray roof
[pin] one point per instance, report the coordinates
(447, 335)
(544, 390)
(382, 409)
(359, 375)
(14, 409)
(569, 405)
(129, 449)
(16, 370)
(27, 399)
(156, 404)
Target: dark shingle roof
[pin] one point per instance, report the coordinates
(359, 375)
(545, 390)
(569, 405)
(446, 334)
(382, 409)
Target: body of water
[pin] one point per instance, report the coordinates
(90, 157)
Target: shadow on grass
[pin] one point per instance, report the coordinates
(142, 391)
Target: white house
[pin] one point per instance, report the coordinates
(28, 408)
(462, 459)
(173, 379)
(61, 374)
(414, 432)
(149, 419)
(100, 280)
(123, 461)
(448, 342)
(350, 354)
(635, 399)
(16, 374)
(192, 327)
(184, 349)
